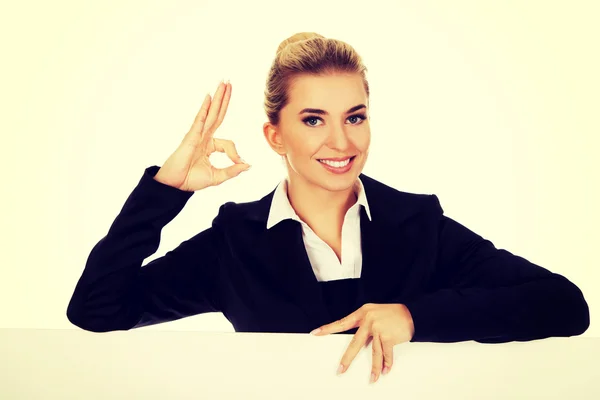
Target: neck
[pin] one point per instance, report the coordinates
(316, 205)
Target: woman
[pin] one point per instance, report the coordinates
(329, 248)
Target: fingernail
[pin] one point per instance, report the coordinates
(340, 369)
(385, 370)
(314, 332)
(372, 378)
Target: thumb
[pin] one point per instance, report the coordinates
(224, 174)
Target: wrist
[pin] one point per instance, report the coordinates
(409, 321)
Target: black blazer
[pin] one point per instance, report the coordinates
(456, 284)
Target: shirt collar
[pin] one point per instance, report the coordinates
(281, 209)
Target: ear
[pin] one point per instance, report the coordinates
(273, 138)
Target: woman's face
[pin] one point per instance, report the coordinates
(326, 118)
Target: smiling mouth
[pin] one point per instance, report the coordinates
(337, 164)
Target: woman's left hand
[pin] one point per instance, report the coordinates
(387, 324)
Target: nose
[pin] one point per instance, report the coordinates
(338, 139)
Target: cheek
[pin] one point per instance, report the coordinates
(305, 144)
(363, 141)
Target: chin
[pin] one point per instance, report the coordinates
(337, 186)
(336, 182)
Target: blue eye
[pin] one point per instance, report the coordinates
(310, 118)
(361, 116)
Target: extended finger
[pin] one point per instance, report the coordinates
(388, 356)
(228, 147)
(224, 106)
(194, 135)
(341, 325)
(377, 358)
(356, 344)
(213, 112)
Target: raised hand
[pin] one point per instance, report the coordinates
(189, 168)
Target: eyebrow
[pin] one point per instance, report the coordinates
(323, 112)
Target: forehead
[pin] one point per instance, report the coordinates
(335, 92)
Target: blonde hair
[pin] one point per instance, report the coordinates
(307, 53)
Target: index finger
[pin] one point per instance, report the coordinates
(342, 325)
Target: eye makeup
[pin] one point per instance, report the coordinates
(363, 117)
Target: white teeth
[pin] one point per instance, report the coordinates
(336, 164)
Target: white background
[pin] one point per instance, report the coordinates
(493, 106)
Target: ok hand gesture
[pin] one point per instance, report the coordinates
(189, 168)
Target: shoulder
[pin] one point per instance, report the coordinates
(385, 203)
(388, 201)
(235, 213)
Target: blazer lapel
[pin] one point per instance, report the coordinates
(389, 250)
(289, 264)
(377, 276)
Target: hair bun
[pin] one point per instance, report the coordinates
(297, 38)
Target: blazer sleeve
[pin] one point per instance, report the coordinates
(490, 295)
(115, 292)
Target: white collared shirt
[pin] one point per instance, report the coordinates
(323, 259)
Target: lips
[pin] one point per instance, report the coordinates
(337, 165)
(336, 158)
